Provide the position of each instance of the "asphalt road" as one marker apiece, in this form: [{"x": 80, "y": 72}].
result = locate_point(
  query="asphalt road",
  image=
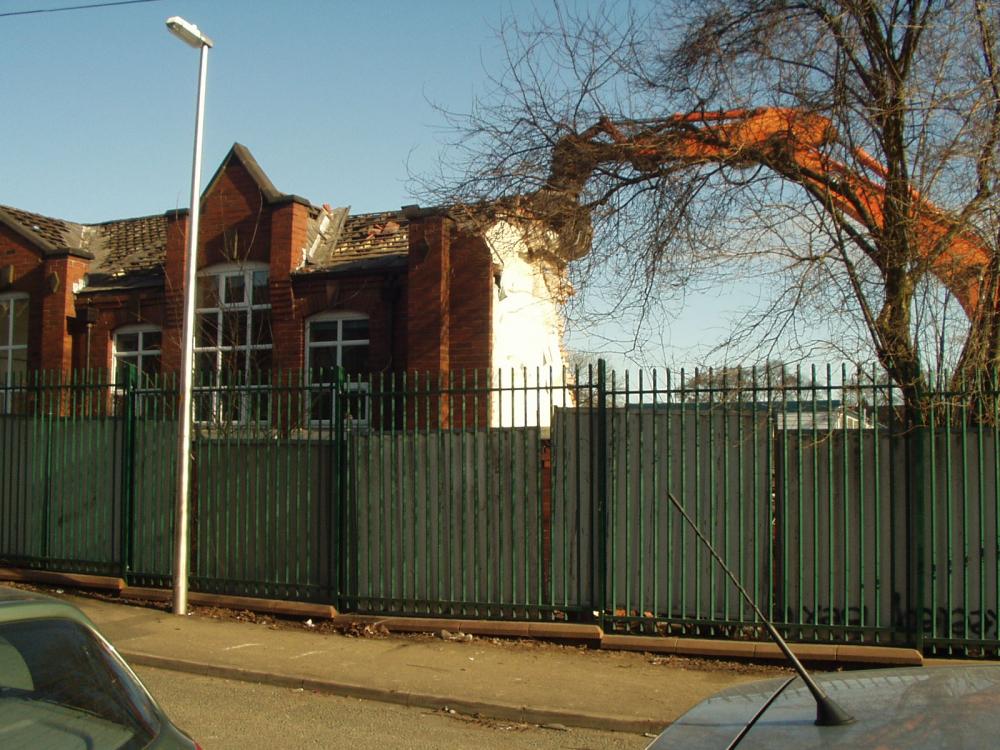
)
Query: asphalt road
[{"x": 225, "y": 714}]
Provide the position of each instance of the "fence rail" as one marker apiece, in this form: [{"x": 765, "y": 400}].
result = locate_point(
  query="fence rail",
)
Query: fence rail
[{"x": 532, "y": 495}]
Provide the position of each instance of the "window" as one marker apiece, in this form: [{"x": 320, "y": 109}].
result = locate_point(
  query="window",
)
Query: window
[
  {"x": 61, "y": 685},
  {"x": 336, "y": 340},
  {"x": 233, "y": 344},
  {"x": 13, "y": 345},
  {"x": 136, "y": 357}
]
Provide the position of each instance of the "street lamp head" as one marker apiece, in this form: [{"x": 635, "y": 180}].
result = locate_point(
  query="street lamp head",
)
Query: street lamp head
[{"x": 187, "y": 32}]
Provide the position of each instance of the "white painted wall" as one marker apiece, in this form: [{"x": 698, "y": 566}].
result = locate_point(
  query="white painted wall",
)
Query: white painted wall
[{"x": 527, "y": 331}]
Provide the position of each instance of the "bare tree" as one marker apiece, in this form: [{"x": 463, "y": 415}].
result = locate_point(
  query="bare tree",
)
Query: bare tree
[
  {"x": 848, "y": 151},
  {"x": 771, "y": 381}
]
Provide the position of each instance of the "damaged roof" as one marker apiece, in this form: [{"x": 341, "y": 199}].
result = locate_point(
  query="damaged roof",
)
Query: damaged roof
[
  {"x": 344, "y": 242},
  {"x": 127, "y": 253},
  {"x": 49, "y": 235},
  {"x": 130, "y": 253}
]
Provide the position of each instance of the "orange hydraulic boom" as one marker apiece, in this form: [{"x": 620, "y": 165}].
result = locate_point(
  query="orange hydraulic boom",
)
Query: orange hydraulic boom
[{"x": 791, "y": 143}]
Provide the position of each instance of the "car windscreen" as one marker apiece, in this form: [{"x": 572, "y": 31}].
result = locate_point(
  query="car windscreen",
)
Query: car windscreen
[{"x": 62, "y": 687}]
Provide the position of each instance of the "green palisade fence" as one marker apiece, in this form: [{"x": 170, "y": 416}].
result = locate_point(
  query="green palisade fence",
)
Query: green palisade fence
[
  {"x": 61, "y": 453},
  {"x": 447, "y": 523},
  {"x": 445, "y": 505},
  {"x": 531, "y": 495},
  {"x": 265, "y": 495}
]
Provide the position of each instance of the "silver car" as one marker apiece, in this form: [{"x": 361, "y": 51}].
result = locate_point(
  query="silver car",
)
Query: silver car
[{"x": 62, "y": 685}]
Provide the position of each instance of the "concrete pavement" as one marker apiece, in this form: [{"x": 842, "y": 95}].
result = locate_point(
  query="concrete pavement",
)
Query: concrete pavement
[{"x": 538, "y": 683}]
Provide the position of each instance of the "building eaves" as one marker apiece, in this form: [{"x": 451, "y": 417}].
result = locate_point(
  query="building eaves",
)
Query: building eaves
[
  {"x": 357, "y": 266},
  {"x": 100, "y": 282}
]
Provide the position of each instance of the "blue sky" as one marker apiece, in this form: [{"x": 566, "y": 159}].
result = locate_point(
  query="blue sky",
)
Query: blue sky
[
  {"x": 334, "y": 99},
  {"x": 331, "y": 97}
]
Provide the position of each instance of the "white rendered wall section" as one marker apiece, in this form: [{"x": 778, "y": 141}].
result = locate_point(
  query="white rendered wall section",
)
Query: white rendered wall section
[{"x": 527, "y": 359}]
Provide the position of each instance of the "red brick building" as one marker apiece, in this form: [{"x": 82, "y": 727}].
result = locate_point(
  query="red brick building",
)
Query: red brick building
[{"x": 282, "y": 285}]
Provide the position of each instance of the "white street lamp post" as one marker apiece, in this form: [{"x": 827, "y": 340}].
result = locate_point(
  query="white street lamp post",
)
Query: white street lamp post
[{"x": 189, "y": 34}]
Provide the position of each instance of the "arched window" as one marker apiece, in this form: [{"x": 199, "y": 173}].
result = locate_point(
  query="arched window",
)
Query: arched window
[
  {"x": 337, "y": 340},
  {"x": 233, "y": 343},
  {"x": 13, "y": 345}
]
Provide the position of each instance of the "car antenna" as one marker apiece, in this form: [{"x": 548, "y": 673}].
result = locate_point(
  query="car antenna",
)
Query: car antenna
[{"x": 828, "y": 712}]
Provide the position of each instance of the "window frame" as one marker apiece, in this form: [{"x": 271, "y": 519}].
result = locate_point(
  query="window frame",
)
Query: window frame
[
  {"x": 217, "y": 411},
  {"x": 8, "y": 347},
  {"x": 147, "y": 392},
  {"x": 141, "y": 329},
  {"x": 339, "y": 344}
]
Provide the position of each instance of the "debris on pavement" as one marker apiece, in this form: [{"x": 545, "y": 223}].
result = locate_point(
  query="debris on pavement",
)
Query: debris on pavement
[
  {"x": 366, "y": 630},
  {"x": 447, "y": 635}
]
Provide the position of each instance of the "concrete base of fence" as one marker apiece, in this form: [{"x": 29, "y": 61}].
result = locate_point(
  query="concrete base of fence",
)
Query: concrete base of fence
[
  {"x": 591, "y": 635},
  {"x": 76, "y": 580},
  {"x": 765, "y": 650},
  {"x": 549, "y": 631},
  {"x": 267, "y": 606}
]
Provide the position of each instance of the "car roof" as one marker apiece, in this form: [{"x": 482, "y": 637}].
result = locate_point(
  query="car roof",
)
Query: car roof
[
  {"x": 21, "y": 604},
  {"x": 914, "y": 707}
]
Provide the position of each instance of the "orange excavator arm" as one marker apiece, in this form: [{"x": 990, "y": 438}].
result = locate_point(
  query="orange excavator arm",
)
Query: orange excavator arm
[{"x": 790, "y": 142}]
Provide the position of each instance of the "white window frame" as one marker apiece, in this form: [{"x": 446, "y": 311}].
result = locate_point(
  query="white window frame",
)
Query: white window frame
[
  {"x": 252, "y": 308},
  {"x": 339, "y": 344},
  {"x": 142, "y": 351},
  {"x": 118, "y": 389},
  {"x": 8, "y": 347}
]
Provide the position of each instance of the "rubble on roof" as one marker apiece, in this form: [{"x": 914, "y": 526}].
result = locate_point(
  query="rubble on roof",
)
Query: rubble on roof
[{"x": 340, "y": 239}]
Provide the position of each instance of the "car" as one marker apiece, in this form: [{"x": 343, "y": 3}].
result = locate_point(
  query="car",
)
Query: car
[
  {"x": 62, "y": 685},
  {"x": 911, "y": 707}
]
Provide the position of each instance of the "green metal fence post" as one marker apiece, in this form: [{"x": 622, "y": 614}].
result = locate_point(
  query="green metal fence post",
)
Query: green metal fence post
[
  {"x": 333, "y": 561},
  {"x": 915, "y": 530},
  {"x": 602, "y": 526},
  {"x": 126, "y": 521},
  {"x": 48, "y": 436},
  {"x": 342, "y": 551}
]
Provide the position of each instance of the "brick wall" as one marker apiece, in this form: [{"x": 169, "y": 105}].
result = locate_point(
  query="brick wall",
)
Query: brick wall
[
  {"x": 375, "y": 296},
  {"x": 289, "y": 223},
  {"x": 58, "y": 308},
  {"x": 235, "y": 220},
  {"x": 93, "y": 348},
  {"x": 428, "y": 323},
  {"x": 29, "y": 278},
  {"x": 470, "y": 304},
  {"x": 428, "y": 299},
  {"x": 174, "y": 271},
  {"x": 471, "y": 308},
  {"x": 449, "y": 310}
]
